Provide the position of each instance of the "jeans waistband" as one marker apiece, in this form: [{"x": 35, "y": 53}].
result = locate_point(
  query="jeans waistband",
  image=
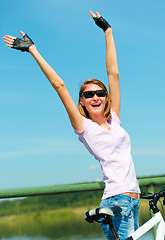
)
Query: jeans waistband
[
  {"x": 124, "y": 197},
  {"x": 132, "y": 194}
]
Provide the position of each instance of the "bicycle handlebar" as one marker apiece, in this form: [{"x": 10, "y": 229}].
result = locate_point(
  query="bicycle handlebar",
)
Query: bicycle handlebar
[{"x": 154, "y": 198}]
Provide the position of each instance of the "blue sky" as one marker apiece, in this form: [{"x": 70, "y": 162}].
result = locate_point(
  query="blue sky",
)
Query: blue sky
[{"x": 38, "y": 146}]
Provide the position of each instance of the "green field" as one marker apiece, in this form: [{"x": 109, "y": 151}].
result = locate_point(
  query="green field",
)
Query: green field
[{"x": 49, "y": 215}]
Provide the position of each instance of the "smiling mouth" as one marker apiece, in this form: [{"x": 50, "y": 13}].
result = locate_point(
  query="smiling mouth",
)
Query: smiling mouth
[{"x": 96, "y": 105}]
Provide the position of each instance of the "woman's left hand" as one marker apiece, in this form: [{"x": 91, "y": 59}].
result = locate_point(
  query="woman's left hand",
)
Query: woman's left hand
[
  {"x": 100, "y": 22},
  {"x": 94, "y": 15}
]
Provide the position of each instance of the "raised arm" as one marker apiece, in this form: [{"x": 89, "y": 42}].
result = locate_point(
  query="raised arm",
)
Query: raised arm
[
  {"x": 112, "y": 71},
  {"x": 57, "y": 83},
  {"x": 111, "y": 63}
]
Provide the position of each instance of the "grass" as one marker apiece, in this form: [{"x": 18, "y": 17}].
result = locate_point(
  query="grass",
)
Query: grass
[{"x": 62, "y": 216}]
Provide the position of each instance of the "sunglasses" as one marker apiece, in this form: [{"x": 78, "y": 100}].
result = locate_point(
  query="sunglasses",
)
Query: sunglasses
[{"x": 90, "y": 94}]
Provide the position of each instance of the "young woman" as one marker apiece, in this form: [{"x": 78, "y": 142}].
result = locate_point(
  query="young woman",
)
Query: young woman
[{"x": 97, "y": 123}]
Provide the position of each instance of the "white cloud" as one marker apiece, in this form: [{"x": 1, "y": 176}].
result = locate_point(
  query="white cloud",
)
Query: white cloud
[
  {"x": 93, "y": 167},
  {"x": 98, "y": 180},
  {"x": 22, "y": 147},
  {"x": 148, "y": 152},
  {"x": 18, "y": 153}
]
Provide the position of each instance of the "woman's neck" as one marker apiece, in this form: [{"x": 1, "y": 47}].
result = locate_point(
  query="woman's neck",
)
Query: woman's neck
[{"x": 102, "y": 121}]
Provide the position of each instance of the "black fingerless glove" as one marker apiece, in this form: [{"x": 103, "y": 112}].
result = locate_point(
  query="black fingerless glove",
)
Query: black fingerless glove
[
  {"x": 102, "y": 23},
  {"x": 22, "y": 44}
]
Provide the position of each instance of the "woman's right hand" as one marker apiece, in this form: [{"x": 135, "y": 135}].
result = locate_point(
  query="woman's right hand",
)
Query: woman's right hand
[{"x": 22, "y": 44}]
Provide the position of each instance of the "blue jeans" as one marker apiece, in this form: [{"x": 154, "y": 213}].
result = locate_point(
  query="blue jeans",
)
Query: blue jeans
[{"x": 125, "y": 222}]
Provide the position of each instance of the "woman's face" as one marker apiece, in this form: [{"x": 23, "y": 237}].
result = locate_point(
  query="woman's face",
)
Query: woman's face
[{"x": 94, "y": 105}]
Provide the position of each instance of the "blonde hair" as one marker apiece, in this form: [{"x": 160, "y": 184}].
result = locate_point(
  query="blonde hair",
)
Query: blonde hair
[{"x": 83, "y": 110}]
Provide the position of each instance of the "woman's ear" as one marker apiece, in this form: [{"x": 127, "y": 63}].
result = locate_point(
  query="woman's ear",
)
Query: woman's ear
[{"x": 81, "y": 102}]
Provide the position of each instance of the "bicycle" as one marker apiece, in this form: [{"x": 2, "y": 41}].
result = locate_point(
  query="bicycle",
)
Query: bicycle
[{"x": 105, "y": 215}]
